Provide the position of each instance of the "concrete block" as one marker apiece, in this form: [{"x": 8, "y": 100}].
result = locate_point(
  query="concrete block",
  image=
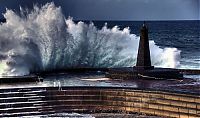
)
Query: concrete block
[
  {"x": 194, "y": 116},
  {"x": 174, "y": 115},
  {"x": 147, "y": 111},
  {"x": 156, "y": 95},
  {"x": 198, "y": 112},
  {"x": 145, "y": 105},
  {"x": 183, "y": 110},
  {"x": 153, "y": 106},
  {"x": 179, "y": 103},
  {"x": 184, "y": 115},
  {"x": 118, "y": 108},
  {"x": 192, "y": 105},
  {"x": 132, "y": 109},
  {"x": 115, "y": 98},
  {"x": 140, "y": 94},
  {"x": 129, "y": 104},
  {"x": 166, "y": 113},
  {"x": 137, "y": 105},
  {"x": 133, "y": 99},
  {"x": 143, "y": 99},
  {"x": 198, "y": 106},
  {"x": 170, "y": 108},
  {"x": 197, "y": 100},
  {"x": 165, "y": 102},
  {"x": 120, "y": 103},
  {"x": 140, "y": 105},
  {"x": 114, "y": 103},
  {"x": 142, "y": 110},
  {"x": 172, "y": 97},
  {"x": 193, "y": 111},
  {"x": 159, "y": 112},
  {"x": 130, "y": 93},
  {"x": 160, "y": 107},
  {"x": 187, "y": 99}
]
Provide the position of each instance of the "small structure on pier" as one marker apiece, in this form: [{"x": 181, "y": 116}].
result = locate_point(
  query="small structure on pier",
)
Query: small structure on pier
[{"x": 143, "y": 68}]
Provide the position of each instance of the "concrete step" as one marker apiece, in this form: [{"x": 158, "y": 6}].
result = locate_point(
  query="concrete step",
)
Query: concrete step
[
  {"x": 20, "y": 99},
  {"x": 23, "y": 102},
  {"x": 31, "y": 114},
  {"x": 19, "y": 94}
]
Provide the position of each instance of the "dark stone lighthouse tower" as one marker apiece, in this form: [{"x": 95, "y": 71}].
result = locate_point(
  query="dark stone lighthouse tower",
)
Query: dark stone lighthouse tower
[{"x": 143, "y": 57}]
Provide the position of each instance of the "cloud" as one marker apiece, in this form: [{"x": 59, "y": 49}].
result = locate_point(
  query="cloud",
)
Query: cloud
[{"x": 119, "y": 9}]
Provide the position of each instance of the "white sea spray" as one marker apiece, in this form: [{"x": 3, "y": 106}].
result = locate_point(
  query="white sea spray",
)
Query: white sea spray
[{"x": 44, "y": 39}]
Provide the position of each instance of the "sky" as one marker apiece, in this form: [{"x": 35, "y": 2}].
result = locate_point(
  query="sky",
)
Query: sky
[{"x": 130, "y": 10}]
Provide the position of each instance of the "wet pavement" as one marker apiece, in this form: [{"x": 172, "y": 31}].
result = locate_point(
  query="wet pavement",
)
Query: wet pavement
[{"x": 191, "y": 84}]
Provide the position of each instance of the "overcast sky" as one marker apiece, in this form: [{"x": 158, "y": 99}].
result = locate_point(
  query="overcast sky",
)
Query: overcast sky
[{"x": 118, "y": 9}]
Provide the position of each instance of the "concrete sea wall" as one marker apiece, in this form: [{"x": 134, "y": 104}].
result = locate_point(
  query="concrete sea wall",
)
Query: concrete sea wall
[
  {"x": 78, "y": 70},
  {"x": 46, "y": 100}
]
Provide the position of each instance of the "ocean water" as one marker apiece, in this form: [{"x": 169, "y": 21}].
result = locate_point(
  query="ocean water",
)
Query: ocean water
[{"x": 44, "y": 39}]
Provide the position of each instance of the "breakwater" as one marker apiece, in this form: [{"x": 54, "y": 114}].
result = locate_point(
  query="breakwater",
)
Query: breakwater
[
  {"x": 189, "y": 71},
  {"x": 78, "y": 70},
  {"x": 47, "y": 100}
]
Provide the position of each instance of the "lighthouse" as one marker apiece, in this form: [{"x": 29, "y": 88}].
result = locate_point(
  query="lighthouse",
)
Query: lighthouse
[{"x": 143, "y": 56}]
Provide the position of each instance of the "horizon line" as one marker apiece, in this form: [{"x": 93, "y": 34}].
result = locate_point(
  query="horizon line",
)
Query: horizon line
[{"x": 3, "y": 19}]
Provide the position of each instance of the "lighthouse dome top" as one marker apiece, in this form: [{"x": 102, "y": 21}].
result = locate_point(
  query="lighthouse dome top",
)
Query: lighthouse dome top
[{"x": 144, "y": 25}]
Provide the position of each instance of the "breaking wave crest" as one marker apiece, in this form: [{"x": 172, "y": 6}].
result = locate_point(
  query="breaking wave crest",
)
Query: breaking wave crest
[{"x": 43, "y": 40}]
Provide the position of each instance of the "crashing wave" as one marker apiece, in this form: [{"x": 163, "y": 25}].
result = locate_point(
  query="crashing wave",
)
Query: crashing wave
[{"x": 43, "y": 40}]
